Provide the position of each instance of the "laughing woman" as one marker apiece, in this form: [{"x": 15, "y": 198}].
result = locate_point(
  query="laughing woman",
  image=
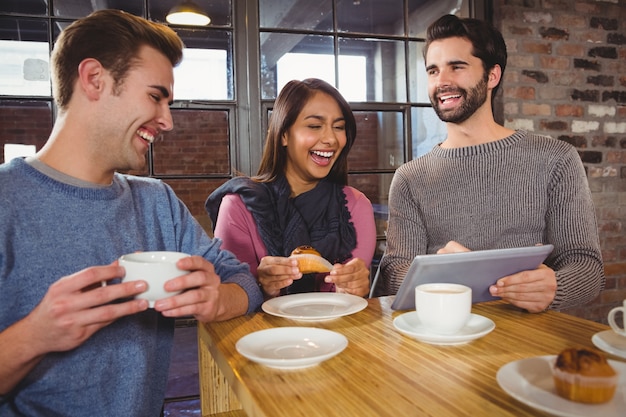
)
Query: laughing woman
[{"x": 300, "y": 197}]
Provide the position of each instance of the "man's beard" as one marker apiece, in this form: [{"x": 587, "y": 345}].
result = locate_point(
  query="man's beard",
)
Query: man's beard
[{"x": 472, "y": 100}]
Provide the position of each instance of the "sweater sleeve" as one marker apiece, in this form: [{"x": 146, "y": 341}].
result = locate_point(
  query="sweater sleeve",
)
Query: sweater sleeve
[
  {"x": 362, "y": 214},
  {"x": 406, "y": 232},
  {"x": 238, "y": 231},
  {"x": 572, "y": 227}
]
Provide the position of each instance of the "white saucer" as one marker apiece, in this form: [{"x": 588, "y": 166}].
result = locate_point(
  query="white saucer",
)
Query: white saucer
[
  {"x": 410, "y": 325},
  {"x": 314, "y": 306},
  {"x": 291, "y": 347},
  {"x": 530, "y": 381},
  {"x": 610, "y": 342}
]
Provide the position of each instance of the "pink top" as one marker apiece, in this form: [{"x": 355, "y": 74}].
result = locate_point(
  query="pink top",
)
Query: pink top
[{"x": 238, "y": 231}]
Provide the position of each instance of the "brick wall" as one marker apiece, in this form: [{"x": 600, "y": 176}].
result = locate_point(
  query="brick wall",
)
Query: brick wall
[
  {"x": 566, "y": 77},
  {"x": 193, "y": 192},
  {"x": 198, "y": 144},
  {"x": 28, "y": 123}
]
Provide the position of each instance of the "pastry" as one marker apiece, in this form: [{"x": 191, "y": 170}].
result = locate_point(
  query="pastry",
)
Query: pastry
[
  {"x": 310, "y": 260},
  {"x": 584, "y": 375}
]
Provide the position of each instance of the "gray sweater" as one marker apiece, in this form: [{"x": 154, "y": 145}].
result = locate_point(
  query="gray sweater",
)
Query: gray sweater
[{"x": 519, "y": 191}]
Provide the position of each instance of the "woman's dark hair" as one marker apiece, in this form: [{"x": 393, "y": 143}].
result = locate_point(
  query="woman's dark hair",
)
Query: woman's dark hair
[
  {"x": 487, "y": 42},
  {"x": 288, "y": 105}
]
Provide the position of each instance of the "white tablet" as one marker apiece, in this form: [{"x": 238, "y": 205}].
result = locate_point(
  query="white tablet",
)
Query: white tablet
[{"x": 476, "y": 269}]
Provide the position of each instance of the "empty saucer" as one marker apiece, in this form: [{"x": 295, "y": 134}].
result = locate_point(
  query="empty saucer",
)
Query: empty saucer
[
  {"x": 410, "y": 325},
  {"x": 610, "y": 342},
  {"x": 291, "y": 347}
]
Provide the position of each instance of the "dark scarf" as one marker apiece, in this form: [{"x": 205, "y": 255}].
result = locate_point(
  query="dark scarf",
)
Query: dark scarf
[{"x": 318, "y": 218}]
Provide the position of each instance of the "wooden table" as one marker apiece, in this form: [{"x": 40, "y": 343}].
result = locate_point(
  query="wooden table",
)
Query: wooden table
[{"x": 382, "y": 372}]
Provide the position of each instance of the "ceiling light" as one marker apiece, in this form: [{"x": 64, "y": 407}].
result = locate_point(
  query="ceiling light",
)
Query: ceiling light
[{"x": 188, "y": 13}]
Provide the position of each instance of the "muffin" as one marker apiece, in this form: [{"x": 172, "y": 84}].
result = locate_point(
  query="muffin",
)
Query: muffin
[
  {"x": 584, "y": 375},
  {"x": 310, "y": 260}
]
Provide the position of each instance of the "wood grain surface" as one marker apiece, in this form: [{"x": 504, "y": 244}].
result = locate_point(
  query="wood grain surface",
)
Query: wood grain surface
[{"x": 383, "y": 372}]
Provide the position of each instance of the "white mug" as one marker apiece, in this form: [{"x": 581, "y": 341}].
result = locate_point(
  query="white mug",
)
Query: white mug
[
  {"x": 443, "y": 308},
  {"x": 155, "y": 268},
  {"x": 616, "y": 328}
]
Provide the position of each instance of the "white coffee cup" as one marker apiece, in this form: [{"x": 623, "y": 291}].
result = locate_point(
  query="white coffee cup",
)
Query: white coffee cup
[
  {"x": 155, "y": 268},
  {"x": 617, "y": 328},
  {"x": 443, "y": 308}
]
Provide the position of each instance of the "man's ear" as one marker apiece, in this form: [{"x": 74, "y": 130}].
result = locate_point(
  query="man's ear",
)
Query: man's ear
[
  {"x": 91, "y": 78},
  {"x": 495, "y": 74}
]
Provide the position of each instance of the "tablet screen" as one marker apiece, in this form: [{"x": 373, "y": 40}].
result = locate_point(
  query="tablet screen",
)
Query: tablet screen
[{"x": 476, "y": 269}]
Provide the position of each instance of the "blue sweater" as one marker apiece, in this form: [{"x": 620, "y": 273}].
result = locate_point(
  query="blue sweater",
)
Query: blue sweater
[{"x": 49, "y": 229}]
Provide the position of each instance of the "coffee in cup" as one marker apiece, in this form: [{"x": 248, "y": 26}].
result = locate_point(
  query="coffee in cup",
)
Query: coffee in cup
[
  {"x": 155, "y": 268},
  {"x": 621, "y": 330},
  {"x": 443, "y": 308}
]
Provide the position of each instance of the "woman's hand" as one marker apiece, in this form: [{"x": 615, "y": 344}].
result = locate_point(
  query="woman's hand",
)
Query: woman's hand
[
  {"x": 351, "y": 278},
  {"x": 276, "y": 272}
]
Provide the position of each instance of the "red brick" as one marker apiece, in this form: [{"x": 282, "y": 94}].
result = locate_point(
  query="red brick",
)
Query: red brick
[
  {"x": 567, "y": 110},
  {"x": 551, "y": 62},
  {"x": 569, "y": 49},
  {"x": 534, "y": 109},
  {"x": 523, "y": 93},
  {"x": 537, "y": 48}
]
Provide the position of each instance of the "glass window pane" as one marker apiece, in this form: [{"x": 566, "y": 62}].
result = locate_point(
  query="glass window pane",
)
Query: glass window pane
[
  {"x": 296, "y": 14},
  {"x": 198, "y": 144},
  {"x": 379, "y": 142},
  {"x": 385, "y": 67},
  {"x": 352, "y": 75},
  {"x": 219, "y": 11},
  {"x": 34, "y": 7},
  {"x": 275, "y": 46},
  {"x": 24, "y": 68},
  {"x": 57, "y": 28},
  {"x": 73, "y": 8},
  {"x": 24, "y": 123},
  {"x": 379, "y": 17},
  {"x": 18, "y": 29},
  {"x": 418, "y": 82},
  {"x": 375, "y": 187},
  {"x": 206, "y": 72},
  {"x": 297, "y": 66},
  {"x": 427, "y": 130},
  {"x": 423, "y": 13}
]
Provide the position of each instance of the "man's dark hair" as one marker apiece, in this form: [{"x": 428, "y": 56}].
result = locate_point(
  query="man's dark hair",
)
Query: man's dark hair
[{"x": 487, "y": 42}]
